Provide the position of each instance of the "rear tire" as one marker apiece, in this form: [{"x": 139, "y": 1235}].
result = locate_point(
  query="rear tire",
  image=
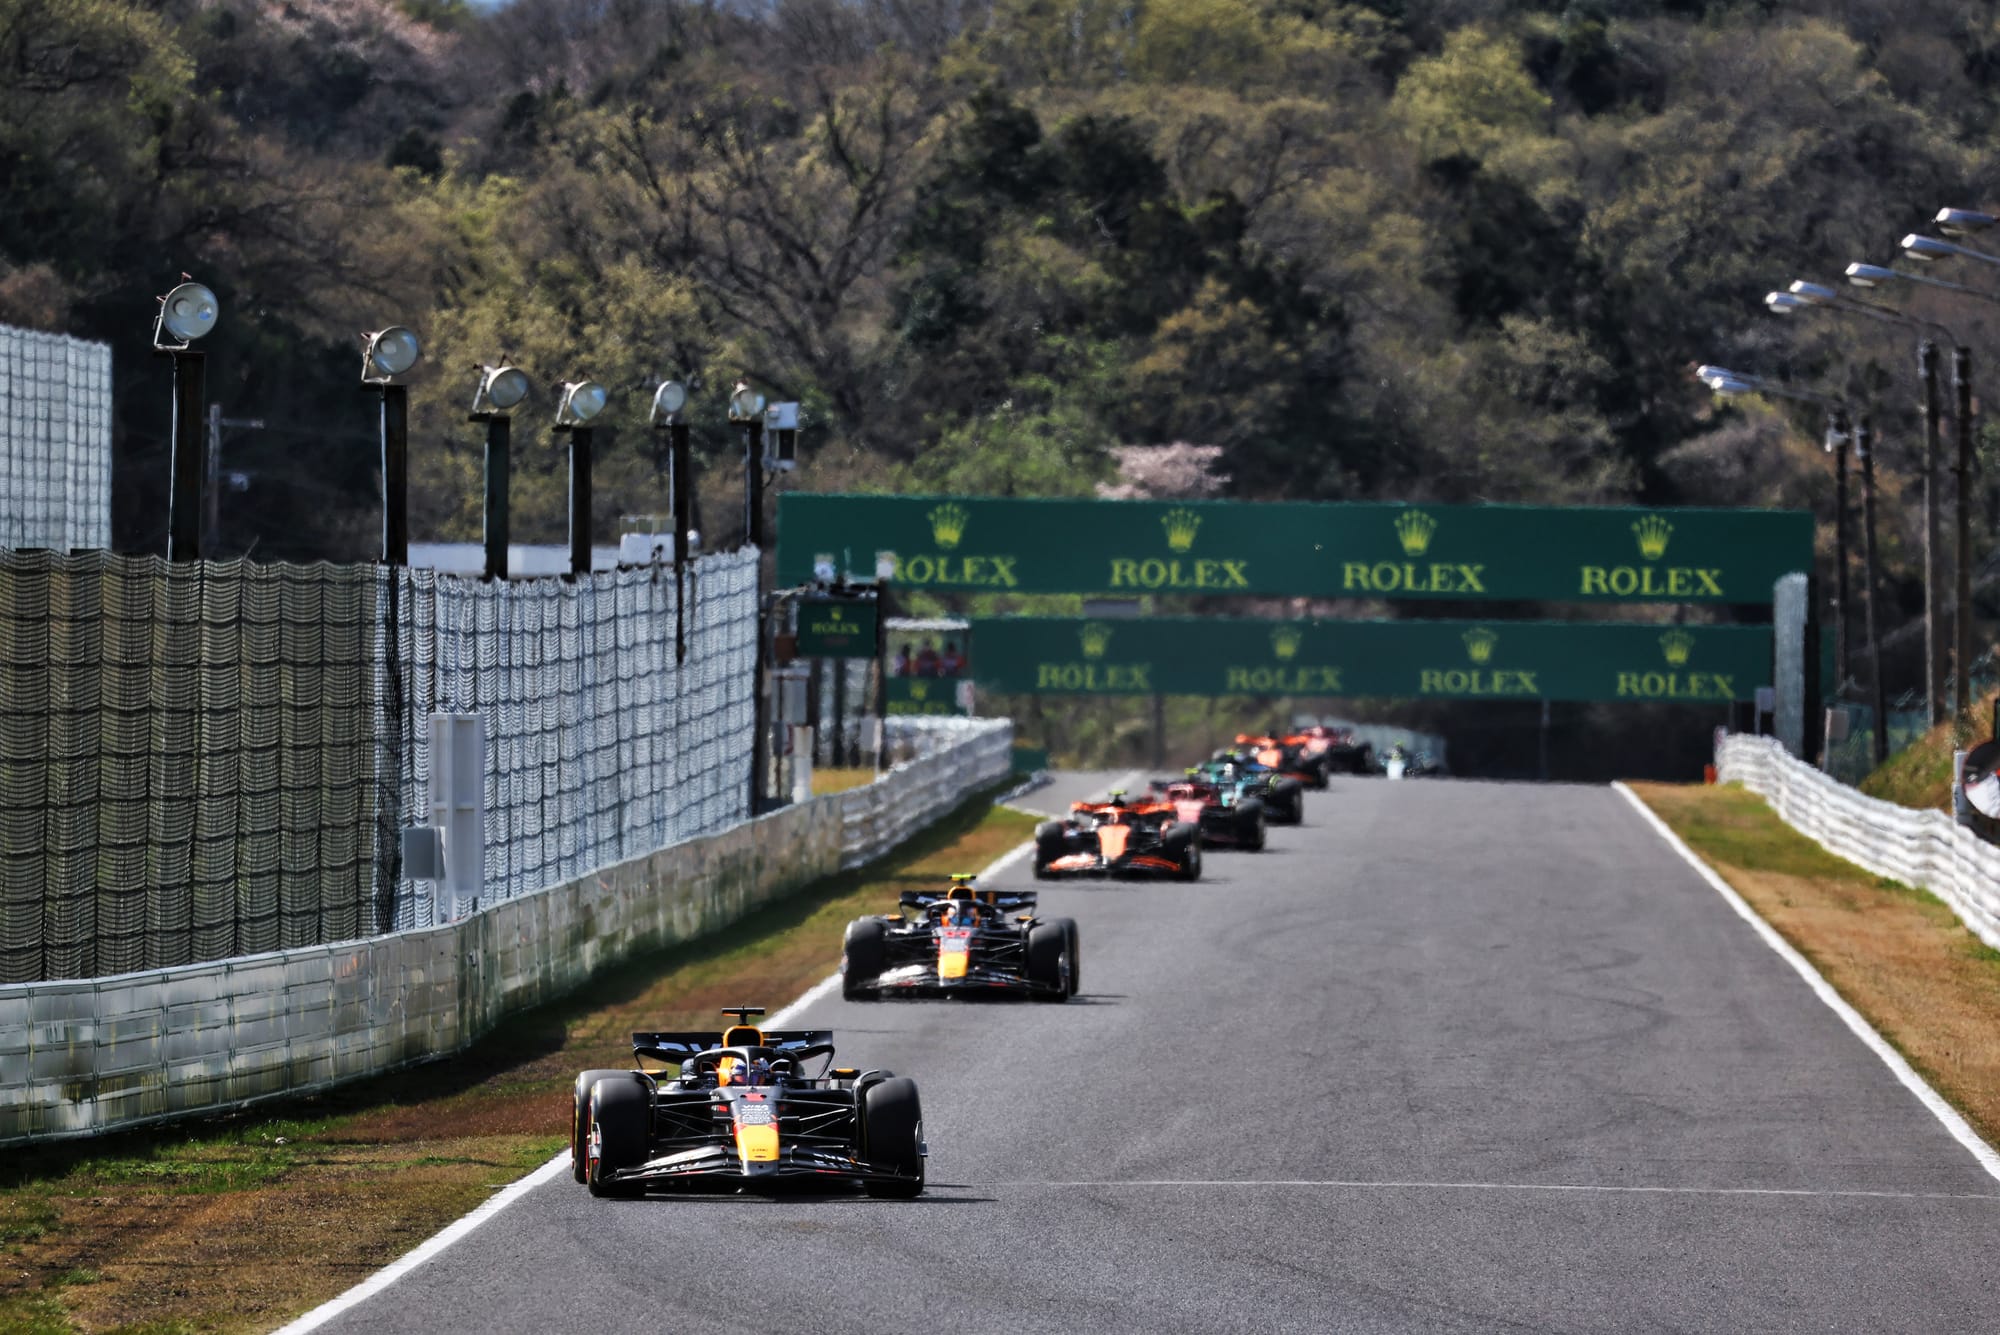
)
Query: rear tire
[
  {"x": 863, "y": 958},
  {"x": 579, "y": 1121},
  {"x": 1050, "y": 838},
  {"x": 892, "y": 1133},
  {"x": 1073, "y": 948},
  {"x": 1250, "y": 833},
  {"x": 1183, "y": 845},
  {"x": 1048, "y": 945},
  {"x": 620, "y": 1112}
]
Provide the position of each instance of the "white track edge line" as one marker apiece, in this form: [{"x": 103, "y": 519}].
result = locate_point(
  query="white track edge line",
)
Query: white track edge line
[
  {"x": 1578, "y": 1187},
  {"x": 1953, "y": 1122},
  {"x": 514, "y": 1191}
]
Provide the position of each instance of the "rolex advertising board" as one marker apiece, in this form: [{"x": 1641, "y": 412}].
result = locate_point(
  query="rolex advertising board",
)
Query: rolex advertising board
[
  {"x": 925, "y": 696},
  {"x": 1299, "y": 549},
  {"x": 836, "y": 628},
  {"x": 1454, "y": 660}
]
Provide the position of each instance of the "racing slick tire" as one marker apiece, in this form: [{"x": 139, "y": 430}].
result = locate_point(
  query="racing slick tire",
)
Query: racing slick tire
[
  {"x": 864, "y": 955},
  {"x": 1050, "y": 837},
  {"x": 1251, "y": 826},
  {"x": 620, "y": 1109},
  {"x": 1048, "y": 945},
  {"x": 1286, "y": 803},
  {"x": 1073, "y": 944},
  {"x": 1183, "y": 845},
  {"x": 892, "y": 1135},
  {"x": 579, "y": 1121}
]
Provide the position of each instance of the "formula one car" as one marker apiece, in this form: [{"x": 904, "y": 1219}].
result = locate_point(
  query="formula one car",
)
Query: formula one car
[
  {"x": 1239, "y": 770},
  {"x": 742, "y": 1114},
  {"x": 1341, "y": 753},
  {"x": 961, "y": 942},
  {"x": 1118, "y": 838},
  {"x": 1223, "y": 817},
  {"x": 1287, "y": 757}
]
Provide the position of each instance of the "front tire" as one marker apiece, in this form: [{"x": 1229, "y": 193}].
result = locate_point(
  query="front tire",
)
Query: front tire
[
  {"x": 863, "y": 958},
  {"x": 1048, "y": 945},
  {"x": 620, "y": 1114},
  {"x": 579, "y": 1121},
  {"x": 1183, "y": 844},
  {"x": 892, "y": 1135}
]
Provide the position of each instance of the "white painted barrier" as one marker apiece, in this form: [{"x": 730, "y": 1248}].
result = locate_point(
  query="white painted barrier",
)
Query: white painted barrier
[
  {"x": 87, "y": 1056},
  {"x": 1919, "y": 848}
]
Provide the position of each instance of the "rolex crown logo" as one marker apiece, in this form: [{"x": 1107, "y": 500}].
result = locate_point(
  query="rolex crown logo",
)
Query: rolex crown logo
[
  {"x": 1414, "y": 529},
  {"x": 918, "y": 690},
  {"x": 948, "y": 523},
  {"x": 1096, "y": 637},
  {"x": 1677, "y": 645},
  {"x": 1285, "y": 642},
  {"x": 1479, "y": 643},
  {"x": 1181, "y": 526},
  {"x": 1652, "y": 532}
]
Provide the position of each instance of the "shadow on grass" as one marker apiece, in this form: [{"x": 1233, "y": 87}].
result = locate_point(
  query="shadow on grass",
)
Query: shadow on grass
[{"x": 516, "y": 1042}]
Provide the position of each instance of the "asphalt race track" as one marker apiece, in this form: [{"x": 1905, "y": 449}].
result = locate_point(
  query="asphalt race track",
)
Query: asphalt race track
[{"x": 1452, "y": 1057}]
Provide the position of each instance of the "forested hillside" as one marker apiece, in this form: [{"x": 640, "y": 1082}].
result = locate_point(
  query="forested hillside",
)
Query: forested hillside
[{"x": 1452, "y": 251}]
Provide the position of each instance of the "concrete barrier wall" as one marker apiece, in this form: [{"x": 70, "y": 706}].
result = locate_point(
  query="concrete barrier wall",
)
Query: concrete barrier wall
[{"x": 83, "y": 1057}]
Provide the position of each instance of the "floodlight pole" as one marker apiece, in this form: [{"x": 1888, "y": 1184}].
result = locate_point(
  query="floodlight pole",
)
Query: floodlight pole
[
  {"x": 1961, "y": 382},
  {"x": 499, "y": 443},
  {"x": 680, "y": 494},
  {"x": 184, "y": 485},
  {"x": 1927, "y": 367},
  {"x": 1837, "y": 425},
  {"x": 1864, "y": 439},
  {"x": 579, "y": 499},
  {"x": 395, "y": 475},
  {"x": 753, "y": 535}
]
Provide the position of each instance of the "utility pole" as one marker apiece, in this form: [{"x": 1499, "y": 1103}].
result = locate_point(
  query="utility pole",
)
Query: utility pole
[
  {"x": 1927, "y": 366},
  {"x": 1837, "y": 441},
  {"x": 1961, "y": 383},
  {"x": 216, "y": 421},
  {"x": 1864, "y": 440}
]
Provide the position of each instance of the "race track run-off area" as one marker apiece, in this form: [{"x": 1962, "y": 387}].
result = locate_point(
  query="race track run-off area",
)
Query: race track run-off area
[{"x": 1452, "y": 1057}]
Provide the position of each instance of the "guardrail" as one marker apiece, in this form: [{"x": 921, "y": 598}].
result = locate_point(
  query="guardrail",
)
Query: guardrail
[
  {"x": 1926, "y": 849},
  {"x": 83, "y": 1057}
]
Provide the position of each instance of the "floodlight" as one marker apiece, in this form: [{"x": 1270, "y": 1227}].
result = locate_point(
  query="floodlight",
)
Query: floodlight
[
  {"x": 1870, "y": 275},
  {"x": 501, "y": 388},
  {"x": 1785, "y": 303},
  {"x": 1957, "y": 222},
  {"x": 1816, "y": 294},
  {"x": 1920, "y": 247},
  {"x": 186, "y": 313},
  {"x": 581, "y": 400},
  {"x": 389, "y": 353},
  {"x": 668, "y": 400},
  {"x": 745, "y": 404}
]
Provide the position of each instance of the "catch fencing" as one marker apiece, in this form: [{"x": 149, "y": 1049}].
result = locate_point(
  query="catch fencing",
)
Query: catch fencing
[
  {"x": 1926, "y": 849},
  {"x": 83, "y": 1057},
  {"x": 55, "y": 441},
  {"x": 206, "y": 760}
]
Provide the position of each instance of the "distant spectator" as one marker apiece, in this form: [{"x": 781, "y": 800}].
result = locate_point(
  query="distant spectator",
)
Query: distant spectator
[
  {"x": 928, "y": 660},
  {"x": 900, "y": 664},
  {"x": 951, "y": 664}
]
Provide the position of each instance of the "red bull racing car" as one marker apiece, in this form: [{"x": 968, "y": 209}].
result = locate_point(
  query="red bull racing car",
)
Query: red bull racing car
[
  {"x": 1118, "y": 838},
  {"x": 961, "y": 942},
  {"x": 744, "y": 1114}
]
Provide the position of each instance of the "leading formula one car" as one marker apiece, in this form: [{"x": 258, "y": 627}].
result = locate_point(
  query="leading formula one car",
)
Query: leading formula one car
[
  {"x": 1289, "y": 757},
  {"x": 961, "y": 942},
  {"x": 1342, "y": 753},
  {"x": 744, "y": 1114},
  {"x": 1118, "y": 838}
]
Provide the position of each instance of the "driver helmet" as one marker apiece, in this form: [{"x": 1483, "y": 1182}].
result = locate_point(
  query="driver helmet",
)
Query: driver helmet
[{"x": 758, "y": 1073}]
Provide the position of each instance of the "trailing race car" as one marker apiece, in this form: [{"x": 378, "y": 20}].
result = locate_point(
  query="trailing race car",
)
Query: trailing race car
[
  {"x": 1117, "y": 838},
  {"x": 962, "y": 942},
  {"x": 743, "y": 1114},
  {"x": 1239, "y": 770},
  {"x": 1341, "y": 752},
  {"x": 1222, "y": 815}
]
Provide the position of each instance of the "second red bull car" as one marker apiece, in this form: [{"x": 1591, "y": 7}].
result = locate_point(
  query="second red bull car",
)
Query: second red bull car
[{"x": 961, "y": 942}]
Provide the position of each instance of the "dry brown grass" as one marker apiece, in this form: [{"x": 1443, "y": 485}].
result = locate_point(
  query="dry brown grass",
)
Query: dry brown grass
[
  {"x": 240, "y": 1224},
  {"x": 831, "y": 780},
  {"x": 1899, "y": 956}
]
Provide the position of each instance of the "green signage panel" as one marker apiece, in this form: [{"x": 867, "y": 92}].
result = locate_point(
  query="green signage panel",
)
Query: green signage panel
[
  {"x": 1499, "y": 660},
  {"x": 1298, "y": 549},
  {"x": 924, "y": 695},
  {"x": 837, "y": 628}
]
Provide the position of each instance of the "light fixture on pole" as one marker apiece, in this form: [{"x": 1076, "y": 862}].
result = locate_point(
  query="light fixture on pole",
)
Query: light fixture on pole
[
  {"x": 500, "y": 390},
  {"x": 746, "y": 410},
  {"x": 668, "y": 401},
  {"x": 385, "y": 356},
  {"x": 580, "y": 402},
  {"x": 188, "y": 312}
]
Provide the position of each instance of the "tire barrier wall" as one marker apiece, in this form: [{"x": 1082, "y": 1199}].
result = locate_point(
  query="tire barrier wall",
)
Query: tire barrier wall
[
  {"x": 81, "y": 1058},
  {"x": 1926, "y": 849}
]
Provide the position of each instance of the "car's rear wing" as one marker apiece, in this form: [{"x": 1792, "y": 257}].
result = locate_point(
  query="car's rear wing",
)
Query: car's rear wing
[
  {"x": 1006, "y": 901},
  {"x": 675, "y": 1047}
]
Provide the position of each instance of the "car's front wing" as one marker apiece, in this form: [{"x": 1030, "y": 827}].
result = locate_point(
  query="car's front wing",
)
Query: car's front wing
[
  {"x": 979, "y": 980},
  {"x": 720, "y": 1167}
]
